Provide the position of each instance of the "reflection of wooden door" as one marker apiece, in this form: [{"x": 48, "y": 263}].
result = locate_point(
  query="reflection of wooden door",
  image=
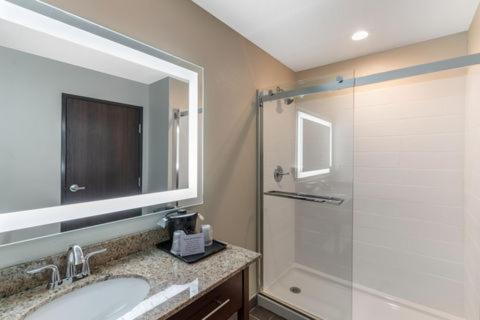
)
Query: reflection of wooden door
[{"x": 101, "y": 149}]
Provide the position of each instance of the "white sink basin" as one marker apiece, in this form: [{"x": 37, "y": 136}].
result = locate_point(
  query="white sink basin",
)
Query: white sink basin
[{"x": 104, "y": 300}]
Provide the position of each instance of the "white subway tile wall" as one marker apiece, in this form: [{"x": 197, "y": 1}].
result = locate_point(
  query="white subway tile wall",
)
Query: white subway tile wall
[
  {"x": 472, "y": 196},
  {"x": 323, "y": 233},
  {"x": 278, "y": 213},
  {"x": 408, "y": 187}
]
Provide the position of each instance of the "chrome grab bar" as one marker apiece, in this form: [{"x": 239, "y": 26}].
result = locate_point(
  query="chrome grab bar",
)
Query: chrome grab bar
[{"x": 306, "y": 197}]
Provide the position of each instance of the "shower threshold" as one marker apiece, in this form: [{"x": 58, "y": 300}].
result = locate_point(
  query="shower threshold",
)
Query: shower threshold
[{"x": 328, "y": 298}]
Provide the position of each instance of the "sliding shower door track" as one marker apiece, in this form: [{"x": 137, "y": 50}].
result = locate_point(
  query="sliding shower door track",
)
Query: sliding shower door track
[
  {"x": 340, "y": 83},
  {"x": 283, "y": 309}
]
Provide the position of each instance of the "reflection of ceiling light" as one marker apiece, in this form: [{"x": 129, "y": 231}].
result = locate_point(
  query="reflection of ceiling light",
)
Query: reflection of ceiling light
[
  {"x": 359, "y": 35},
  {"x": 393, "y": 306}
]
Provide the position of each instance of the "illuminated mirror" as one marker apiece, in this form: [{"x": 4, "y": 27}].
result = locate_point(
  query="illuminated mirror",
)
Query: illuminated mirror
[
  {"x": 97, "y": 127},
  {"x": 314, "y": 145}
]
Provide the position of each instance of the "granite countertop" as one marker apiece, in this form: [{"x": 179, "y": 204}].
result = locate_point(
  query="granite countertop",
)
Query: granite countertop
[{"x": 174, "y": 284}]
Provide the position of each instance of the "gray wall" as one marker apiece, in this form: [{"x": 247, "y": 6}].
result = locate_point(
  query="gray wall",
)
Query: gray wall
[
  {"x": 32, "y": 87},
  {"x": 165, "y": 96},
  {"x": 30, "y": 125},
  {"x": 158, "y": 136},
  {"x": 179, "y": 100}
]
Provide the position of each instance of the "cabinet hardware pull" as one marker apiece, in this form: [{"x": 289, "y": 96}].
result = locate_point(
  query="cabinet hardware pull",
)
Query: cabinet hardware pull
[{"x": 216, "y": 309}]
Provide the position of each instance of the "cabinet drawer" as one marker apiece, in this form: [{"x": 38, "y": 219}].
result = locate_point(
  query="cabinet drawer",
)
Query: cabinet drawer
[{"x": 218, "y": 304}]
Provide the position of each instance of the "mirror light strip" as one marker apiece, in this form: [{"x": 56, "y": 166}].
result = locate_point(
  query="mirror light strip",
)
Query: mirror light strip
[{"x": 301, "y": 117}]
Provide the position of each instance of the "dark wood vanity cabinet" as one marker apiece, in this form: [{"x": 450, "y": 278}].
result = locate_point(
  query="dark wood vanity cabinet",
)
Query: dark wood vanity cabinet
[{"x": 221, "y": 302}]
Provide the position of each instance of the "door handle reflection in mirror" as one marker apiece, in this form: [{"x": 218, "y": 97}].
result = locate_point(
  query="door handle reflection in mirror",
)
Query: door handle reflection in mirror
[{"x": 76, "y": 187}]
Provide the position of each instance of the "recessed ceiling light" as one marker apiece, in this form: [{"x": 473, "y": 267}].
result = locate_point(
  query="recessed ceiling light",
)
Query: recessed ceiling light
[{"x": 359, "y": 35}]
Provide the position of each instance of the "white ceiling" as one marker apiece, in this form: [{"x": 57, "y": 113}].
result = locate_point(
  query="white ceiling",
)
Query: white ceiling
[{"x": 308, "y": 33}]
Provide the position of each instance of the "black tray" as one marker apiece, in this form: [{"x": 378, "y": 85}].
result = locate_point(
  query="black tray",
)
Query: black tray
[{"x": 216, "y": 246}]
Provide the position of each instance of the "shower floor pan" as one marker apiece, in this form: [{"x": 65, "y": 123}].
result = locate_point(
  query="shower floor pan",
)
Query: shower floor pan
[{"x": 328, "y": 298}]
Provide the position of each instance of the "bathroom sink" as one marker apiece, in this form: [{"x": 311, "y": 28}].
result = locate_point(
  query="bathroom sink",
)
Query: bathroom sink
[{"x": 104, "y": 300}]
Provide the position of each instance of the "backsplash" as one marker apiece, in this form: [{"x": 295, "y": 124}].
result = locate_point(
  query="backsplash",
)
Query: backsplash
[{"x": 14, "y": 279}]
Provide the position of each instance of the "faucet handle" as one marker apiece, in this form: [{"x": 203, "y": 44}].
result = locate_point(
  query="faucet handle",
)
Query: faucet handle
[
  {"x": 86, "y": 264},
  {"x": 55, "y": 278}
]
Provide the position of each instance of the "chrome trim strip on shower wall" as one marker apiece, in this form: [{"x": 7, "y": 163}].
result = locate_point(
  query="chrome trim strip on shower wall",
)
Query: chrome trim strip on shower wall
[
  {"x": 306, "y": 197},
  {"x": 454, "y": 63},
  {"x": 420, "y": 69}
]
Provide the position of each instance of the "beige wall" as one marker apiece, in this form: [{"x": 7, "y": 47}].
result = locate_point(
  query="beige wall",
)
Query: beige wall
[
  {"x": 423, "y": 52},
  {"x": 472, "y": 179},
  {"x": 234, "y": 69},
  {"x": 474, "y": 34}
]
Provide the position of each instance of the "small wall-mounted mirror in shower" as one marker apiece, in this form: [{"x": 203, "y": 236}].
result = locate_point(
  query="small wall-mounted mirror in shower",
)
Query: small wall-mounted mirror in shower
[{"x": 314, "y": 145}]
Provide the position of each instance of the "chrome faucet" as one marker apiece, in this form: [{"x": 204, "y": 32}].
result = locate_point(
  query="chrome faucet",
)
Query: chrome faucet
[
  {"x": 55, "y": 278},
  {"x": 75, "y": 258}
]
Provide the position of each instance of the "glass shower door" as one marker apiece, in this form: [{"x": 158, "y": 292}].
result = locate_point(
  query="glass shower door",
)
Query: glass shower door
[{"x": 306, "y": 211}]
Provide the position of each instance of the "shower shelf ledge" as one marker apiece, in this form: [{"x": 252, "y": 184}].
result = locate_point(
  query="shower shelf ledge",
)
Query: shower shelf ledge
[{"x": 305, "y": 197}]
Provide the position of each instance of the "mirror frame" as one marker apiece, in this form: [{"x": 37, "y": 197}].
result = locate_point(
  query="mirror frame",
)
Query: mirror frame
[
  {"x": 301, "y": 117},
  {"x": 48, "y": 19}
]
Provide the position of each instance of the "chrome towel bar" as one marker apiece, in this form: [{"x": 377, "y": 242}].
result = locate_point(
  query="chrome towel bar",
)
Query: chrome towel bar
[{"x": 305, "y": 197}]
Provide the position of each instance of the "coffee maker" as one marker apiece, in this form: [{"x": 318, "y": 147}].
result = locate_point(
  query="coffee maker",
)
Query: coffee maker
[{"x": 180, "y": 220}]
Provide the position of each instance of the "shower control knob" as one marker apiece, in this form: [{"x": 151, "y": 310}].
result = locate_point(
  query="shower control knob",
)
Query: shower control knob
[{"x": 278, "y": 174}]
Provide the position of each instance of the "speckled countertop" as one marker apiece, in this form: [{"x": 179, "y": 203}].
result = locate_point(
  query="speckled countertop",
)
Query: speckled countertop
[{"x": 174, "y": 284}]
